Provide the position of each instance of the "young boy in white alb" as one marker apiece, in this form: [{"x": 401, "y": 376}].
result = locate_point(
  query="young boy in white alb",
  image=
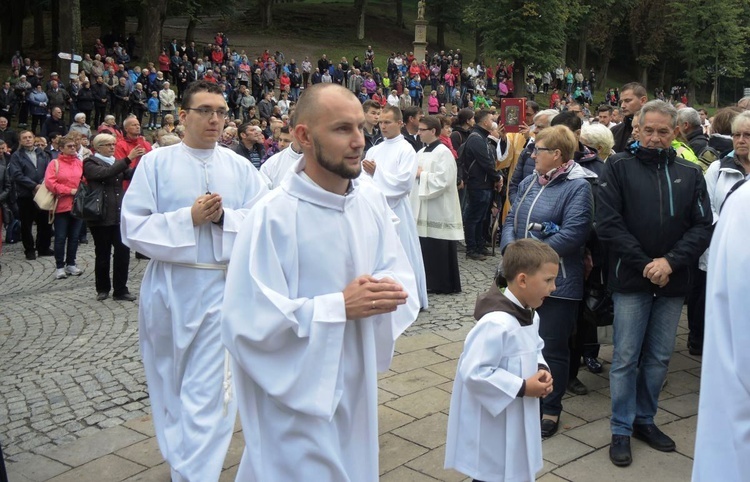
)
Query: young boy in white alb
[{"x": 493, "y": 428}]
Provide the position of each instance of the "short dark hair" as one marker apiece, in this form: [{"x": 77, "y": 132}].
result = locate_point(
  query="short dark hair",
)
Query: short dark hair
[
  {"x": 433, "y": 123},
  {"x": 242, "y": 129},
  {"x": 637, "y": 88},
  {"x": 371, "y": 104},
  {"x": 534, "y": 106},
  {"x": 464, "y": 116},
  {"x": 526, "y": 256},
  {"x": 397, "y": 116},
  {"x": 481, "y": 115},
  {"x": 568, "y": 119},
  {"x": 604, "y": 108},
  {"x": 199, "y": 86},
  {"x": 410, "y": 112},
  {"x": 284, "y": 129}
]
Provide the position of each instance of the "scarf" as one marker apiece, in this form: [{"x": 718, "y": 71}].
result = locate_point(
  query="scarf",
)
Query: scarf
[
  {"x": 109, "y": 160},
  {"x": 545, "y": 179}
]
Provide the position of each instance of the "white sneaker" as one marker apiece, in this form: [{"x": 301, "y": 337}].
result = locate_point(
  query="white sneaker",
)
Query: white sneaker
[
  {"x": 60, "y": 273},
  {"x": 73, "y": 270}
]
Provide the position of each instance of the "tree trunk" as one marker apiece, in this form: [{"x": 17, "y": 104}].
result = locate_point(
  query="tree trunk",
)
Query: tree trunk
[
  {"x": 154, "y": 12},
  {"x": 441, "y": 35},
  {"x": 478, "y": 45},
  {"x": 38, "y": 13},
  {"x": 11, "y": 28},
  {"x": 606, "y": 57},
  {"x": 691, "y": 93},
  {"x": 400, "y": 13},
  {"x": 663, "y": 75},
  {"x": 55, "y": 15},
  {"x": 582, "y": 49},
  {"x": 190, "y": 32},
  {"x": 69, "y": 18},
  {"x": 360, "y": 9},
  {"x": 265, "y": 13},
  {"x": 644, "y": 77},
  {"x": 564, "y": 53}
]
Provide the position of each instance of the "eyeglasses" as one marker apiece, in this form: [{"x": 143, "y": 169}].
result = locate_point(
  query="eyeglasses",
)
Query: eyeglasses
[
  {"x": 740, "y": 135},
  {"x": 69, "y": 145},
  {"x": 208, "y": 113},
  {"x": 537, "y": 149}
]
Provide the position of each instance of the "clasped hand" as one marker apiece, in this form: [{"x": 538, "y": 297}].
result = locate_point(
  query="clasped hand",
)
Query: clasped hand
[
  {"x": 207, "y": 208},
  {"x": 658, "y": 272},
  {"x": 539, "y": 384},
  {"x": 367, "y": 296},
  {"x": 369, "y": 166}
]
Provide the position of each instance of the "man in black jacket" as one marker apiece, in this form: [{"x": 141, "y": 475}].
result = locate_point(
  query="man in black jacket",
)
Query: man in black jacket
[
  {"x": 410, "y": 130},
  {"x": 481, "y": 178},
  {"x": 689, "y": 123},
  {"x": 26, "y": 169},
  {"x": 654, "y": 217},
  {"x": 632, "y": 97}
]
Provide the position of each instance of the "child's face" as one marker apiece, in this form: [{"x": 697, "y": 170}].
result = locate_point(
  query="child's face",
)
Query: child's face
[{"x": 538, "y": 286}]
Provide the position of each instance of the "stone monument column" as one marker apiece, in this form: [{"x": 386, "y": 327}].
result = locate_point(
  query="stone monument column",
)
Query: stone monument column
[{"x": 420, "y": 33}]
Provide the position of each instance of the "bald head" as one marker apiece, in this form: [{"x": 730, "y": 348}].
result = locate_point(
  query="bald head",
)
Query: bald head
[{"x": 310, "y": 102}]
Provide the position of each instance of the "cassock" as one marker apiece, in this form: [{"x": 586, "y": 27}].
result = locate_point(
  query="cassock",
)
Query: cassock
[
  {"x": 722, "y": 445},
  {"x": 306, "y": 377},
  {"x": 494, "y": 435},
  {"x": 279, "y": 165},
  {"x": 181, "y": 296},
  {"x": 395, "y": 173}
]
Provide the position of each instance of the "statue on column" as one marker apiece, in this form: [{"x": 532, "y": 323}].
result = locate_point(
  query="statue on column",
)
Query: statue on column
[{"x": 420, "y": 10}]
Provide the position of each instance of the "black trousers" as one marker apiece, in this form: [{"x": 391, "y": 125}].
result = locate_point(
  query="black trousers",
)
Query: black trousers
[
  {"x": 106, "y": 238},
  {"x": 696, "y": 308},
  {"x": 583, "y": 343},
  {"x": 100, "y": 111},
  {"x": 29, "y": 213}
]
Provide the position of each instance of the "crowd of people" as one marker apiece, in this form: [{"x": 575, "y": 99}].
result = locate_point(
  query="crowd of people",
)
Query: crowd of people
[{"x": 228, "y": 129}]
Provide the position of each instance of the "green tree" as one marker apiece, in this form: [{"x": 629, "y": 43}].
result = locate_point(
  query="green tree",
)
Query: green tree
[
  {"x": 444, "y": 15},
  {"x": 606, "y": 19},
  {"x": 530, "y": 32},
  {"x": 713, "y": 39},
  {"x": 650, "y": 24}
]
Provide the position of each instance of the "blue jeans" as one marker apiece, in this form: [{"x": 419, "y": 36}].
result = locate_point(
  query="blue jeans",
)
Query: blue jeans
[
  {"x": 645, "y": 328},
  {"x": 66, "y": 229},
  {"x": 477, "y": 206}
]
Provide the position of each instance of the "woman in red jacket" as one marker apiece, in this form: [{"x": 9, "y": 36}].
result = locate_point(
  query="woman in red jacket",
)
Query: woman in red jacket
[
  {"x": 62, "y": 179},
  {"x": 164, "y": 64}
]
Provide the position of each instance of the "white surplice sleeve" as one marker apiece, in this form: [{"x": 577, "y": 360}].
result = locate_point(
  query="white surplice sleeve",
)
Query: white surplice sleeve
[
  {"x": 441, "y": 175},
  {"x": 224, "y": 235},
  {"x": 395, "y": 178},
  {"x": 494, "y": 387},
  {"x": 167, "y": 236}
]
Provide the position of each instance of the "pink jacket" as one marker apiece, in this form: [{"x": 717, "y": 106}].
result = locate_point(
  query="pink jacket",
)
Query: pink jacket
[
  {"x": 61, "y": 182},
  {"x": 433, "y": 105}
]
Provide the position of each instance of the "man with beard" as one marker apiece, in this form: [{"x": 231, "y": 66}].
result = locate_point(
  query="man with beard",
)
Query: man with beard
[{"x": 317, "y": 292}]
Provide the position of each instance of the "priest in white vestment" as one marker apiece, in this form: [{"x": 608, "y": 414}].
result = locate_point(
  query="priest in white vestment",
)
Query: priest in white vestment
[
  {"x": 318, "y": 290},
  {"x": 183, "y": 210},
  {"x": 392, "y": 166},
  {"x": 722, "y": 445}
]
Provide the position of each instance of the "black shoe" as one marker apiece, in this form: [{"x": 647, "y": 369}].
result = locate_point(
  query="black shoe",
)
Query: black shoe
[
  {"x": 46, "y": 252},
  {"x": 83, "y": 241},
  {"x": 549, "y": 427},
  {"x": 124, "y": 297},
  {"x": 619, "y": 451},
  {"x": 102, "y": 296},
  {"x": 476, "y": 256},
  {"x": 30, "y": 255},
  {"x": 654, "y": 437},
  {"x": 485, "y": 252},
  {"x": 140, "y": 256},
  {"x": 694, "y": 349},
  {"x": 577, "y": 387},
  {"x": 592, "y": 364}
]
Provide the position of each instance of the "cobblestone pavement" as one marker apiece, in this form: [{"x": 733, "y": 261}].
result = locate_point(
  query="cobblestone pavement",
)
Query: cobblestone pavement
[{"x": 71, "y": 365}]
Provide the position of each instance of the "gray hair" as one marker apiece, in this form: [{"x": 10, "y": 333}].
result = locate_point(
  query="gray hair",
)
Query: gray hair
[
  {"x": 659, "y": 107},
  {"x": 689, "y": 115},
  {"x": 102, "y": 139},
  {"x": 599, "y": 137},
  {"x": 169, "y": 140},
  {"x": 79, "y": 116},
  {"x": 741, "y": 119},
  {"x": 548, "y": 113},
  {"x": 108, "y": 118},
  {"x": 744, "y": 103}
]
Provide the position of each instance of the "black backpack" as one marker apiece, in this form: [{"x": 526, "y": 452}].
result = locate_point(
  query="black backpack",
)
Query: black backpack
[{"x": 463, "y": 165}]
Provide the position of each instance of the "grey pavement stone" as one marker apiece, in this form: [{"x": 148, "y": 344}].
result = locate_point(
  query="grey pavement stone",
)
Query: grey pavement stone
[
  {"x": 86, "y": 449},
  {"x": 38, "y": 468}
]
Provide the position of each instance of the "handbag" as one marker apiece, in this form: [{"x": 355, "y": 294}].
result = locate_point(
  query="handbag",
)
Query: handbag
[
  {"x": 88, "y": 203},
  {"x": 598, "y": 307},
  {"x": 43, "y": 197}
]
